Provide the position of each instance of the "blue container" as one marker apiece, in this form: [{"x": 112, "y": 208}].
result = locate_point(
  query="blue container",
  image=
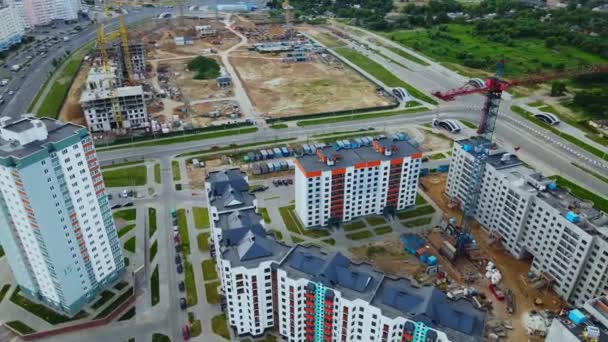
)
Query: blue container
[
  {"x": 443, "y": 168},
  {"x": 467, "y": 148},
  {"x": 422, "y": 258},
  {"x": 431, "y": 260},
  {"x": 572, "y": 217},
  {"x": 277, "y": 152},
  {"x": 552, "y": 186},
  {"x": 576, "y": 316},
  {"x": 285, "y": 151},
  {"x": 270, "y": 153}
]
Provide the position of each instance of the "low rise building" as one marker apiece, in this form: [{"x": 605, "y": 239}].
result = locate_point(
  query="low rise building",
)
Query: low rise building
[
  {"x": 587, "y": 324},
  {"x": 12, "y": 29},
  {"x": 100, "y": 112},
  {"x": 350, "y": 179},
  {"x": 56, "y": 225},
  {"x": 564, "y": 236},
  {"x": 306, "y": 294}
]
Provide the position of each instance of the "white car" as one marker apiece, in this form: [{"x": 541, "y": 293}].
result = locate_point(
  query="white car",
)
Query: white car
[
  {"x": 175, "y": 228},
  {"x": 124, "y": 194}
]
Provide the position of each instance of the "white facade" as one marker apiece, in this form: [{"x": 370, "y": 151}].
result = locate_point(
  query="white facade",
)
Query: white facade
[
  {"x": 342, "y": 185},
  {"x": 530, "y": 215},
  {"x": 57, "y": 228},
  {"x": 96, "y": 101},
  {"x": 12, "y": 27},
  {"x": 43, "y": 12}
]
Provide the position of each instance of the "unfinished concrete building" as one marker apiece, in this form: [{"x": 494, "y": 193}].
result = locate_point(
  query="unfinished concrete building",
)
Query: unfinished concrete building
[
  {"x": 138, "y": 59},
  {"x": 98, "y": 106}
]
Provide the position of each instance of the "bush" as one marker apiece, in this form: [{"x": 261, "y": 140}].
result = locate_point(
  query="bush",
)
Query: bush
[{"x": 206, "y": 68}]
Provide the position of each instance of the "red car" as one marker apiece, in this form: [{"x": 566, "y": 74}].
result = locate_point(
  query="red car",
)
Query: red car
[
  {"x": 186, "y": 332},
  {"x": 497, "y": 292}
]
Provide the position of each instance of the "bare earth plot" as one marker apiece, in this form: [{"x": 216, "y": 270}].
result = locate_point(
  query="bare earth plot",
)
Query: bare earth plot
[
  {"x": 280, "y": 89},
  {"x": 194, "y": 89},
  {"x": 71, "y": 110}
]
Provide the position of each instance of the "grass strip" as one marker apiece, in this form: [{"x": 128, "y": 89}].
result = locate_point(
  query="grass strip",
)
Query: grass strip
[
  {"x": 364, "y": 234},
  {"x": 278, "y": 126},
  {"x": 105, "y": 296},
  {"x": 151, "y": 221},
  {"x": 233, "y": 147},
  {"x": 153, "y": 250},
  {"x": 116, "y": 303},
  {"x": 407, "y": 55},
  {"x": 201, "y": 217},
  {"x": 419, "y": 211},
  {"x": 381, "y": 74},
  {"x": 177, "y": 176},
  {"x": 352, "y": 117},
  {"x": 157, "y": 176},
  {"x": 122, "y": 164},
  {"x": 211, "y": 292},
  {"x": 264, "y": 213},
  {"x": 209, "y": 270},
  {"x": 21, "y": 327},
  {"x": 420, "y": 200},
  {"x": 291, "y": 224},
  {"x": 202, "y": 240},
  {"x": 126, "y": 229},
  {"x": 127, "y": 214},
  {"x": 330, "y": 241},
  {"x": 154, "y": 287},
  {"x": 277, "y": 234},
  {"x": 599, "y": 202},
  {"x": 383, "y": 230},
  {"x": 132, "y": 176},
  {"x": 182, "y": 225},
  {"x": 41, "y": 310},
  {"x": 130, "y": 245},
  {"x": 529, "y": 116},
  {"x": 160, "y": 338},
  {"x": 184, "y": 138},
  {"x": 191, "y": 295},
  {"x": 4, "y": 290},
  {"x": 354, "y": 225},
  {"x": 375, "y": 220},
  {"x": 219, "y": 326},
  {"x": 128, "y": 315},
  {"x": 423, "y": 221}
]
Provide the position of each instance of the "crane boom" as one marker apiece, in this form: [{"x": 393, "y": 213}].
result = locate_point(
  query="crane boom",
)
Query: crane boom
[{"x": 126, "y": 53}]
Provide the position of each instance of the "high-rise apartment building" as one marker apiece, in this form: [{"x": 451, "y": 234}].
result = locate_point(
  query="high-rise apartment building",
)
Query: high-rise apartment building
[
  {"x": 566, "y": 238},
  {"x": 11, "y": 27},
  {"x": 43, "y": 12},
  {"x": 356, "y": 178},
  {"x": 307, "y": 294},
  {"x": 56, "y": 225}
]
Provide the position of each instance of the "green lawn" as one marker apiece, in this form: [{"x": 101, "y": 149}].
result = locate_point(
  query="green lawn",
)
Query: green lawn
[
  {"x": 459, "y": 44},
  {"x": 126, "y": 229},
  {"x": 383, "y": 230},
  {"x": 420, "y": 211},
  {"x": 196, "y": 328},
  {"x": 234, "y": 147},
  {"x": 364, "y": 234},
  {"x": 278, "y": 126},
  {"x": 157, "y": 175},
  {"x": 160, "y": 338},
  {"x": 182, "y": 224},
  {"x": 528, "y": 116},
  {"x": 220, "y": 326},
  {"x": 436, "y": 156},
  {"x": 177, "y": 176},
  {"x": 211, "y": 292},
  {"x": 154, "y": 287},
  {"x": 191, "y": 295},
  {"x": 420, "y": 200},
  {"x": 202, "y": 240},
  {"x": 277, "y": 234},
  {"x": 292, "y": 224},
  {"x": 153, "y": 250},
  {"x": 4, "y": 290},
  {"x": 469, "y": 124},
  {"x": 375, "y": 220},
  {"x": 105, "y": 297},
  {"x": 21, "y": 327},
  {"x": 127, "y": 214},
  {"x": 599, "y": 202},
  {"x": 111, "y": 166},
  {"x": 121, "y": 285},
  {"x": 353, "y": 117},
  {"x": 185, "y": 138},
  {"x": 422, "y": 221},
  {"x": 130, "y": 245},
  {"x": 380, "y": 73},
  {"x": 330, "y": 241},
  {"x": 264, "y": 213},
  {"x": 209, "y": 271},
  {"x": 327, "y": 40},
  {"x": 296, "y": 239},
  {"x": 40, "y": 310},
  {"x": 130, "y": 176},
  {"x": 151, "y": 221},
  {"x": 201, "y": 217},
  {"x": 127, "y": 315},
  {"x": 354, "y": 225},
  {"x": 116, "y": 303}
]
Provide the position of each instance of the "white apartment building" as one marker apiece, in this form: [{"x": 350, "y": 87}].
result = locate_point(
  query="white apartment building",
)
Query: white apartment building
[
  {"x": 96, "y": 102},
  {"x": 338, "y": 184},
  {"x": 566, "y": 238},
  {"x": 43, "y": 12},
  {"x": 55, "y": 221},
  {"x": 11, "y": 27},
  {"x": 307, "y": 294}
]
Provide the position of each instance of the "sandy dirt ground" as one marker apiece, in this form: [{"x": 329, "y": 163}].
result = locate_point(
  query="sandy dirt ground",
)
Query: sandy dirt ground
[
  {"x": 388, "y": 256},
  {"x": 71, "y": 110},
  {"x": 434, "y": 141},
  {"x": 511, "y": 268},
  {"x": 196, "y": 177},
  {"x": 194, "y": 89},
  {"x": 278, "y": 89}
]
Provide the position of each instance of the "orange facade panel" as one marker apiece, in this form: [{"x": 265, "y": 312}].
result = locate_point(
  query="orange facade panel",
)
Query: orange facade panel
[
  {"x": 360, "y": 165},
  {"x": 416, "y": 155},
  {"x": 338, "y": 171},
  {"x": 312, "y": 174},
  {"x": 373, "y": 163},
  {"x": 397, "y": 161}
]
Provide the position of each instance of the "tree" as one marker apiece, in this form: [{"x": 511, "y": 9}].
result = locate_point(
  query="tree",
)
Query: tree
[{"x": 558, "y": 88}]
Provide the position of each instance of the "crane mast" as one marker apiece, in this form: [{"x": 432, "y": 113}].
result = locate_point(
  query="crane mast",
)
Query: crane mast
[{"x": 101, "y": 45}]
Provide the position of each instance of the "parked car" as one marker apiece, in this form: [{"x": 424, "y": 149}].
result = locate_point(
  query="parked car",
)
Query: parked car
[
  {"x": 178, "y": 259},
  {"x": 128, "y": 204},
  {"x": 290, "y": 181},
  {"x": 497, "y": 292},
  {"x": 109, "y": 196},
  {"x": 116, "y": 206},
  {"x": 180, "y": 269},
  {"x": 178, "y": 248},
  {"x": 181, "y": 286},
  {"x": 275, "y": 182},
  {"x": 175, "y": 228},
  {"x": 182, "y": 303},
  {"x": 186, "y": 332}
]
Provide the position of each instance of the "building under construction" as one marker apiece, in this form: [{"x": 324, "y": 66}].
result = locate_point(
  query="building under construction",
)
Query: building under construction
[
  {"x": 137, "y": 52},
  {"x": 107, "y": 105}
]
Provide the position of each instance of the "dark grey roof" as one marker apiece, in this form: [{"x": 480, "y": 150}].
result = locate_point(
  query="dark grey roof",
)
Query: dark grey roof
[
  {"x": 229, "y": 190},
  {"x": 349, "y": 157},
  {"x": 231, "y": 237},
  {"x": 238, "y": 218},
  {"x": 57, "y": 132},
  {"x": 459, "y": 319},
  {"x": 252, "y": 247}
]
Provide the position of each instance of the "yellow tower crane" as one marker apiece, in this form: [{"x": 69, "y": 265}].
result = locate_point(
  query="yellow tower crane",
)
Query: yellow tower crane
[
  {"x": 101, "y": 45},
  {"x": 126, "y": 53}
]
